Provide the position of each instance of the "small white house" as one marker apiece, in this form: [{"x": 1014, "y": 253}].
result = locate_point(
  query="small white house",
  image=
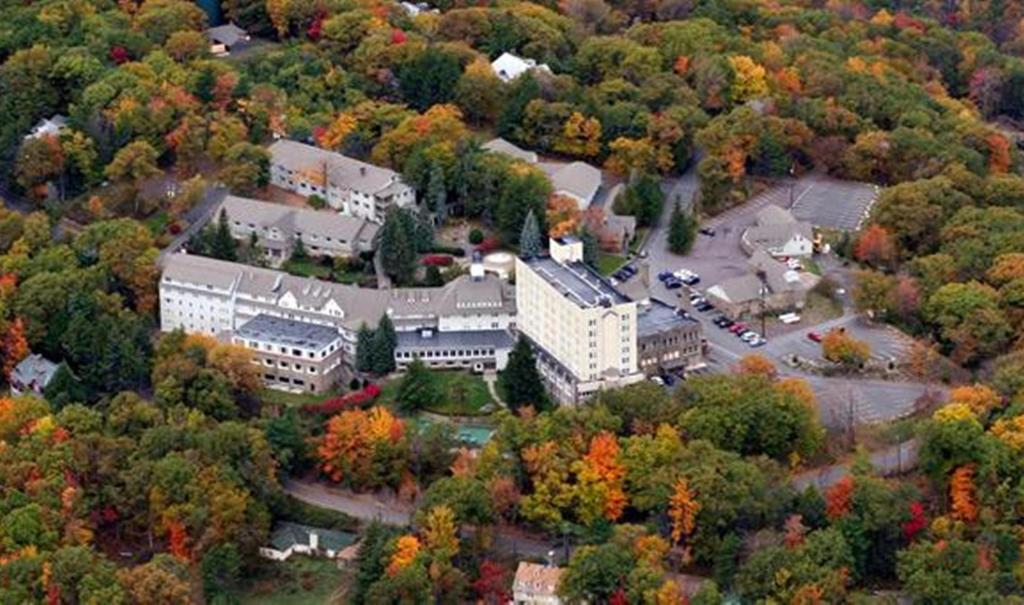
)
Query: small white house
[
  {"x": 51, "y": 126},
  {"x": 779, "y": 233},
  {"x": 32, "y": 375},
  {"x": 292, "y": 538},
  {"x": 536, "y": 584},
  {"x": 508, "y": 67}
]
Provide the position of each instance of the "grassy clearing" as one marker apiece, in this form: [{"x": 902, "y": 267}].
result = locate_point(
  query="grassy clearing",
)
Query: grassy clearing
[
  {"x": 298, "y": 581},
  {"x": 608, "y": 263},
  {"x": 307, "y": 268},
  {"x": 463, "y": 394},
  {"x": 293, "y": 400}
]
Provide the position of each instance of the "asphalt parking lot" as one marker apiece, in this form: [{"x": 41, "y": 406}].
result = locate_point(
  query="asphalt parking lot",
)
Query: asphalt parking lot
[{"x": 832, "y": 203}]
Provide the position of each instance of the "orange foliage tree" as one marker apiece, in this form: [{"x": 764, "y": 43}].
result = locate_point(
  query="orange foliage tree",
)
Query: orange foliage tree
[
  {"x": 757, "y": 365},
  {"x": 839, "y": 498},
  {"x": 563, "y": 214},
  {"x": 961, "y": 494},
  {"x": 601, "y": 477},
  {"x": 980, "y": 398},
  {"x": 876, "y": 246},
  {"x": 406, "y": 549},
  {"x": 998, "y": 153},
  {"x": 15, "y": 346},
  {"x": 350, "y": 444},
  {"x": 682, "y": 510}
]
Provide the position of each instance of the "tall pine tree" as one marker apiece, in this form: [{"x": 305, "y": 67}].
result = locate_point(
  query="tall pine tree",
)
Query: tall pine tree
[
  {"x": 364, "y": 349},
  {"x": 397, "y": 248},
  {"x": 437, "y": 192},
  {"x": 529, "y": 240},
  {"x": 222, "y": 244},
  {"x": 521, "y": 380},
  {"x": 681, "y": 231},
  {"x": 418, "y": 388},
  {"x": 384, "y": 342}
]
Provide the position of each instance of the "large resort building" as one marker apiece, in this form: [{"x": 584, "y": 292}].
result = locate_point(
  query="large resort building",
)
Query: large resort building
[
  {"x": 351, "y": 187},
  {"x": 443, "y": 325}
]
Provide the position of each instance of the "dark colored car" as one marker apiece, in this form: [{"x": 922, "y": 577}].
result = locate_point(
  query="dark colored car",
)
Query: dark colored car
[
  {"x": 705, "y": 307},
  {"x": 814, "y": 336},
  {"x": 673, "y": 284},
  {"x": 664, "y": 275},
  {"x": 708, "y": 231}
]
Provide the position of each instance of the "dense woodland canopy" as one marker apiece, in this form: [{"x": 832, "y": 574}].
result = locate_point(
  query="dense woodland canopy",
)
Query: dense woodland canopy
[{"x": 163, "y": 447}]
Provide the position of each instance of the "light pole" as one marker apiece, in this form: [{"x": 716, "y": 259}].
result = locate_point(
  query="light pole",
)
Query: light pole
[{"x": 763, "y": 277}]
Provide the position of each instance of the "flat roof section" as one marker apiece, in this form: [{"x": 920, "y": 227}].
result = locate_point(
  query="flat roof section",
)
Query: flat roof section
[
  {"x": 659, "y": 317},
  {"x": 289, "y": 332},
  {"x": 577, "y": 282}
]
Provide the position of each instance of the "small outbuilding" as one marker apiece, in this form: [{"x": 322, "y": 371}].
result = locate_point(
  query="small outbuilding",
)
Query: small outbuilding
[{"x": 293, "y": 538}]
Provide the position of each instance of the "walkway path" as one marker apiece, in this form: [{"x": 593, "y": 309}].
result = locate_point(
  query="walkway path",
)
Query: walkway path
[
  {"x": 197, "y": 217},
  {"x": 894, "y": 460}
]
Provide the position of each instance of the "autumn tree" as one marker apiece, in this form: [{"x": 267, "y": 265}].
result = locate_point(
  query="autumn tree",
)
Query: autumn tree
[
  {"x": 876, "y": 247},
  {"x": 840, "y": 347},
  {"x": 963, "y": 503},
  {"x": 839, "y": 498},
  {"x": 363, "y": 449},
  {"x": 581, "y": 136},
  {"x": 15, "y": 346},
  {"x": 600, "y": 476},
  {"x": 682, "y": 510}
]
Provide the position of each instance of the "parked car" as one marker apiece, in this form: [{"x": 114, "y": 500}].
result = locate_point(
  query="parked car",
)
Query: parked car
[
  {"x": 673, "y": 284},
  {"x": 708, "y": 231},
  {"x": 668, "y": 379},
  {"x": 695, "y": 296},
  {"x": 815, "y": 336},
  {"x": 657, "y": 380},
  {"x": 736, "y": 328},
  {"x": 693, "y": 280},
  {"x": 760, "y": 342},
  {"x": 664, "y": 275},
  {"x": 750, "y": 337},
  {"x": 794, "y": 264}
]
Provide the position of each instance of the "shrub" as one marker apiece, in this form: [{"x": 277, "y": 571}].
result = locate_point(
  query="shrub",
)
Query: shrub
[
  {"x": 476, "y": 236},
  {"x": 351, "y": 400},
  {"x": 317, "y": 202},
  {"x": 490, "y": 244},
  {"x": 437, "y": 260}
]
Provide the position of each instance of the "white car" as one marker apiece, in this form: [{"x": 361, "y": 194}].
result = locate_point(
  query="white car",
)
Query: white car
[
  {"x": 750, "y": 337},
  {"x": 683, "y": 274},
  {"x": 794, "y": 264}
]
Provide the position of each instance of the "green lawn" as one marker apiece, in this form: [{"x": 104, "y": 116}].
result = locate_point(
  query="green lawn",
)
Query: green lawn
[
  {"x": 463, "y": 394},
  {"x": 307, "y": 268},
  {"x": 290, "y": 400},
  {"x": 157, "y": 223},
  {"x": 298, "y": 581},
  {"x": 638, "y": 239},
  {"x": 608, "y": 263},
  {"x": 810, "y": 265}
]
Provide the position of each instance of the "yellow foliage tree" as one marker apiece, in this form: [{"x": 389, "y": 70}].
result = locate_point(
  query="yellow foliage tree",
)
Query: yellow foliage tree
[
  {"x": 581, "y": 136},
  {"x": 955, "y": 412},
  {"x": 440, "y": 534},
  {"x": 1010, "y": 431},
  {"x": 750, "y": 82},
  {"x": 335, "y": 134},
  {"x": 641, "y": 155}
]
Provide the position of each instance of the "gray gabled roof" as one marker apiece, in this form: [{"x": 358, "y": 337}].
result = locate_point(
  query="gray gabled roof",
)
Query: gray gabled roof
[
  {"x": 774, "y": 215},
  {"x": 34, "y": 369},
  {"x": 228, "y": 34},
  {"x": 342, "y": 171},
  {"x": 288, "y": 332},
  {"x": 291, "y": 220},
  {"x": 462, "y": 296},
  {"x": 576, "y": 178},
  {"x": 504, "y": 147},
  {"x": 287, "y": 535}
]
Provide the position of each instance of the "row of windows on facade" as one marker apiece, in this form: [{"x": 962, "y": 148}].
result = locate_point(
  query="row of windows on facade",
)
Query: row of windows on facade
[
  {"x": 276, "y": 234},
  {"x": 444, "y": 353},
  {"x": 252, "y": 344}
]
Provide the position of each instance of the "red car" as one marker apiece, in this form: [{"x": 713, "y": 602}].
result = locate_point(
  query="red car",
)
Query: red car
[
  {"x": 737, "y": 328},
  {"x": 814, "y": 336}
]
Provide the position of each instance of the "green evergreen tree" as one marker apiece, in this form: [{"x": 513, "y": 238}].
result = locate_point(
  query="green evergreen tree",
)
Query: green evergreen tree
[
  {"x": 437, "y": 193},
  {"x": 384, "y": 342},
  {"x": 222, "y": 244},
  {"x": 521, "y": 380},
  {"x": 299, "y": 250},
  {"x": 64, "y": 389},
  {"x": 525, "y": 89},
  {"x": 397, "y": 250},
  {"x": 364, "y": 349},
  {"x": 529, "y": 240},
  {"x": 418, "y": 388},
  {"x": 422, "y": 229},
  {"x": 681, "y": 231},
  {"x": 433, "y": 278}
]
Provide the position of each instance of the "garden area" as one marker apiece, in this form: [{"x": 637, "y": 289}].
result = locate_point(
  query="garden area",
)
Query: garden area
[
  {"x": 298, "y": 581},
  {"x": 448, "y": 392}
]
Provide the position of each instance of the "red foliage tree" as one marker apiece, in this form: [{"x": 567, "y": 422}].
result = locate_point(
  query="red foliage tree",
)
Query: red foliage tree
[
  {"x": 398, "y": 37},
  {"x": 917, "y": 521},
  {"x": 492, "y": 583},
  {"x": 876, "y": 246},
  {"x": 119, "y": 55},
  {"x": 177, "y": 540},
  {"x": 839, "y": 498}
]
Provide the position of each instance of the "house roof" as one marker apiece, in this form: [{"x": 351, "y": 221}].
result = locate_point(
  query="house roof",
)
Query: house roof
[
  {"x": 291, "y": 220},
  {"x": 48, "y": 126},
  {"x": 228, "y": 34},
  {"x": 288, "y": 332},
  {"x": 777, "y": 276},
  {"x": 412, "y": 340},
  {"x": 578, "y": 179},
  {"x": 34, "y": 369},
  {"x": 504, "y": 147},
  {"x": 657, "y": 317},
  {"x": 537, "y": 580},
  {"x": 778, "y": 234},
  {"x": 287, "y": 535},
  {"x": 508, "y": 67},
  {"x": 462, "y": 296},
  {"x": 340, "y": 170}
]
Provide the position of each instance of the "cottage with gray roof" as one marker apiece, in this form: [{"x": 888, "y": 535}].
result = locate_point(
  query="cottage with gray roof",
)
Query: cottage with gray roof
[
  {"x": 350, "y": 186},
  {"x": 293, "y": 538},
  {"x": 226, "y": 38},
  {"x": 577, "y": 180},
  {"x": 779, "y": 233},
  {"x": 277, "y": 227},
  {"x": 770, "y": 280},
  {"x": 32, "y": 375}
]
